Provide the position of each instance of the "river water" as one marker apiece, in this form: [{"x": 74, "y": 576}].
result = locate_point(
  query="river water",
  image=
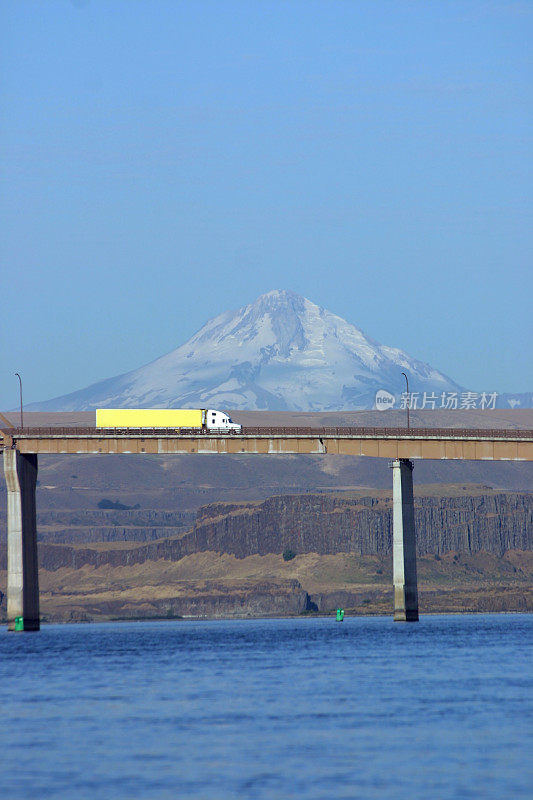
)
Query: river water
[{"x": 293, "y": 708}]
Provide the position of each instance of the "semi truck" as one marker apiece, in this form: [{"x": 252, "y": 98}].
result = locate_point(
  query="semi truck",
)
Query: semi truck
[{"x": 193, "y": 418}]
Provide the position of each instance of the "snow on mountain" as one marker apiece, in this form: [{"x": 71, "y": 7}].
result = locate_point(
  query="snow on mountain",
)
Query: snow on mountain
[{"x": 280, "y": 353}]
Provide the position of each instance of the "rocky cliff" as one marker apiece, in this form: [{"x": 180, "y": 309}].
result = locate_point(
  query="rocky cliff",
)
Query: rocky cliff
[
  {"x": 323, "y": 524},
  {"x": 91, "y": 525},
  {"x": 351, "y": 522}
]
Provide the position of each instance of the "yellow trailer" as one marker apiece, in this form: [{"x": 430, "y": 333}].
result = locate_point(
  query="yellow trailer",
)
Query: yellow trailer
[{"x": 150, "y": 417}]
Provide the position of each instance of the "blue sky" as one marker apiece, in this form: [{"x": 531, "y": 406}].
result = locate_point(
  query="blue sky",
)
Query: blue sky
[{"x": 165, "y": 161}]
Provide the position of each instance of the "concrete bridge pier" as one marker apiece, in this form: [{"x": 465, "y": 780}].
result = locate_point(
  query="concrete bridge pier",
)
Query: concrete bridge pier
[
  {"x": 404, "y": 542},
  {"x": 22, "y": 569}
]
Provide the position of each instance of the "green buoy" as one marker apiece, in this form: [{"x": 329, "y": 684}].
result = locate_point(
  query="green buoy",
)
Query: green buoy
[
  {"x": 19, "y": 623},
  {"x": 340, "y": 614}
]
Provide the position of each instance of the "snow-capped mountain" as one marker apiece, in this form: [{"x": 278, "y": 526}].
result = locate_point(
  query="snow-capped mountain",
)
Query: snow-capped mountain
[{"x": 280, "y": 353}]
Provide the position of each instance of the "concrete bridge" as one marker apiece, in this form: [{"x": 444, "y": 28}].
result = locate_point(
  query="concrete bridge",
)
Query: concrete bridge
[{"x": 22, "y": 446}]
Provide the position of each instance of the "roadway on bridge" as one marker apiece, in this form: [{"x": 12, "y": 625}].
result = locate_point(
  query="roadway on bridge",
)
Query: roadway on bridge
[{"x": 414, "y": 443}]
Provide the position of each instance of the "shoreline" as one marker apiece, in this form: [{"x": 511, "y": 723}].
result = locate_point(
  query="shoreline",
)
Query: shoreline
[{"x": 244, "y": 617}]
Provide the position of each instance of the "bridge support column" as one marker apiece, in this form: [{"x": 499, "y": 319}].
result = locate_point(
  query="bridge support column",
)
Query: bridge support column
[
  {"x": 404, "y": 542},
  {"x": 22, "y": 569}
]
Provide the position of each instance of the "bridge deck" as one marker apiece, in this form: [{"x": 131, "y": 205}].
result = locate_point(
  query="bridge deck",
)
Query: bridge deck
[{"x": 433, "y": 443}]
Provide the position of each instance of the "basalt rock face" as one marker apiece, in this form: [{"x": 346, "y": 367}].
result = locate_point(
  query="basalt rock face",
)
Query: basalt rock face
[
  {"x": 87, "y": 525},
  {"x": 315, "y": 523},
  {"x": 324, "y": 524},
  {"x": 331, "y": 524},
  {"x": 210, "y": 599},
  {"x": 90, "y": 525}
]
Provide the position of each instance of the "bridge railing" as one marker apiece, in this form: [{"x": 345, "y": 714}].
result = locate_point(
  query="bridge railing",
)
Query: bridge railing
[{"x": 356, "y": 432}]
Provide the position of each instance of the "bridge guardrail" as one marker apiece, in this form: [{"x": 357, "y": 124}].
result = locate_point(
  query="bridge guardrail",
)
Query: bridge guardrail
[{"x": 355, "y": 432}]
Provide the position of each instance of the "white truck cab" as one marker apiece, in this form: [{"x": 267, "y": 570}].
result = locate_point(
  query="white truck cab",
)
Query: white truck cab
[{"x": 220, "y": 421}]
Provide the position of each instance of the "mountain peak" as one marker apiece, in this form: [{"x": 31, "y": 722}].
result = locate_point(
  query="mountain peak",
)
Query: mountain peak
[
  {"x": 279, "y": 300},
  {"x": 279, "y": 294}
]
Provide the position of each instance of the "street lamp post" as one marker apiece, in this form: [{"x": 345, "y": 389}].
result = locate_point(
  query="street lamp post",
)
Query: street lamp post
[
  {"x": 21, "y": 412},
  {"x": 408, "y": 403}
]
